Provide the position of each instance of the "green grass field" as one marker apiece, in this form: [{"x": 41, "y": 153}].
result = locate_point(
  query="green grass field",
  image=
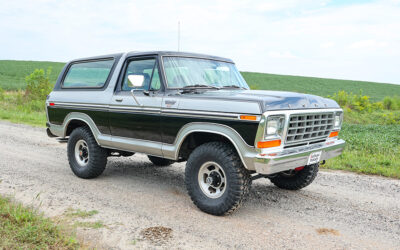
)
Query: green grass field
[
  {"x": 13, "y": 73},
  {"x": 319, "y": 86}
]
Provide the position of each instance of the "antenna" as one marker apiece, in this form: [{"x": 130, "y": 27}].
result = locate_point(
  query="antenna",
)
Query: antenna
[{"x": 179, "y": 35}]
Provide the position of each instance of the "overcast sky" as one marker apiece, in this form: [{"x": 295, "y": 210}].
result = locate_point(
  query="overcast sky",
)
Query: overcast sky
[{"x": 351, "y": 39}]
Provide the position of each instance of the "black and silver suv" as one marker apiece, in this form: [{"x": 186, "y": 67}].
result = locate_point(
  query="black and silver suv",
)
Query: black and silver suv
[{"x": 178, "y": 107}]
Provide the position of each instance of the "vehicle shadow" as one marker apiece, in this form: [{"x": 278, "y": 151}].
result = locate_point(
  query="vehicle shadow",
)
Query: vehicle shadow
[{"x": 263, "y": 194}]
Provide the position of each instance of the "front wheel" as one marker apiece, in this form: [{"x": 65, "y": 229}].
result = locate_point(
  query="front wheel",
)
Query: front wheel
[
  {"x": 216, "y": 179},
  {"x": 86, "y": 158},
  {"x": 297, "y": 178}
]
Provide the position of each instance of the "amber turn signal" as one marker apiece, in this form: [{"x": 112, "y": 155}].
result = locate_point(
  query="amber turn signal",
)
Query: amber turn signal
[
  {"x": 268, "y": 144},
  {"x": 334, "y": 134},
  {"x": 248, "y": 117}
]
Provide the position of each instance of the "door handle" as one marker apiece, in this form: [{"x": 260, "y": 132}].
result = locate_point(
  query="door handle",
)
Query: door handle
[{"x": 118, "y": 99}]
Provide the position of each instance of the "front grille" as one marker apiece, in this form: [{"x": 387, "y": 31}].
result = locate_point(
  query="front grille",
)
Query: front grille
[{"x": 305, "y": 128}]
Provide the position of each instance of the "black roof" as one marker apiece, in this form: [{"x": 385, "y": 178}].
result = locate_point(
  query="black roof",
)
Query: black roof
[{"x": 161, "y": 53}]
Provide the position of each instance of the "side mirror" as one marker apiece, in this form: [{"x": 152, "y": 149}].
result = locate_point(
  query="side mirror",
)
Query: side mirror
[{"x": 135, "y": 81}]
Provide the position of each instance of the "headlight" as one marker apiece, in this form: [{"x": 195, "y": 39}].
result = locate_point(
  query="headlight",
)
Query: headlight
[
  {"x": 338, "y": 119},
  {"x": 274, "y": 126}
]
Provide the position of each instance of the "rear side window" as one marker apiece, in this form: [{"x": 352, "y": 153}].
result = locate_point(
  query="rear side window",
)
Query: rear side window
[{"x": 92, "y": 74}]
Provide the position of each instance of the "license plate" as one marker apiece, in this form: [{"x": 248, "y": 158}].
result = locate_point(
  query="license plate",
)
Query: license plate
[{"x": 314, "y": 158}]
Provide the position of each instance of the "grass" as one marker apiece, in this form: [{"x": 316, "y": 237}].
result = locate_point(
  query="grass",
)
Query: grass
[
  {"x": 15, "y": 109},
  {"x": 370, "y": 149},
  {"x": 89, "y": 224},
  {"x": 80, "y": 213},
  {"x": 13, "y": 73},
  {"x": 25, "y": 228},
  {"x": 319, "y": 86}
]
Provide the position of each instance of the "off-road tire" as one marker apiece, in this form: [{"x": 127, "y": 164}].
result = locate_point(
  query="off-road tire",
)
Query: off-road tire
[
  {"x": 97, "y": 155},
  {"x": 161, "y": 162},
  {"x": 298, "y": 180},
  {"x": 237, "y": 178}
]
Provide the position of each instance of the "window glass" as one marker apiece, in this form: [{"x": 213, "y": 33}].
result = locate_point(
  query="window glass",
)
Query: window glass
[
  {"x": 181, "y": 72},
  {"x": 155, "y": 81},
  {"x": 138, "y": 74},
  {"x": 88, "y": 74}
]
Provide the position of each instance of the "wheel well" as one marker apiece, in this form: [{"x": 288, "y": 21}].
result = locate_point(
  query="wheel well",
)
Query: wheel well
[
  {"x": 73, "y": 125},
  {"x": 196, "y": 139}
]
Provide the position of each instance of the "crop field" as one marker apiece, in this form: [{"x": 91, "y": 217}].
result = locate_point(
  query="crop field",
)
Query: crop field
[
  {"x": 319, "y": 86},
  {"x": 13, "y": 73},
  {"x": 371, "y": 127}
]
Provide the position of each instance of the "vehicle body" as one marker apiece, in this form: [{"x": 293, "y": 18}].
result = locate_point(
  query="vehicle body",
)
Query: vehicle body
[{"x": 154, "y": 103}]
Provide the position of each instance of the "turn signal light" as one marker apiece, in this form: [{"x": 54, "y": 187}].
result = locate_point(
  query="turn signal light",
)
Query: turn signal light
[
  {"x": 248, "y": 117},
  {"x": 268, "y": 144},
  {"x": 334, "y": 134}
]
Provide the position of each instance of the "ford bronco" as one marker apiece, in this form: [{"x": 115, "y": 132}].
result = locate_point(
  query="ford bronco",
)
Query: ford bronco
[{"x": 177, "y": 107}]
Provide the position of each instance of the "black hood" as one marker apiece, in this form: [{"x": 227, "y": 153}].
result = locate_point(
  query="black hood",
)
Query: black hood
[{"x": 270, "y": 100}]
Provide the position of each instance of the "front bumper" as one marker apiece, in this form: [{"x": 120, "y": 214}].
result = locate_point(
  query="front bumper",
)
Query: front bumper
[{"x": 292, "y": 158}]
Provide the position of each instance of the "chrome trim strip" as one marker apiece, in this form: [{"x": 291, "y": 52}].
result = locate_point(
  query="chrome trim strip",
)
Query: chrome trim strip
[{"x": 162, "y": 111}]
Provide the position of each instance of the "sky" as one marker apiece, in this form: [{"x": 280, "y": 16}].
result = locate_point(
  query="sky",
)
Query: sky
[{"x": 353, "y": 39}]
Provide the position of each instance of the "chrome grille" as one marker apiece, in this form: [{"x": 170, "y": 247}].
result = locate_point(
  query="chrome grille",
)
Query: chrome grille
[{"x": 309, "y": 127}]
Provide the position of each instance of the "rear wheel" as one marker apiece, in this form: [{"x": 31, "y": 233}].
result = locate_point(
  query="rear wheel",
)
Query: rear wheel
[
  {"x": 216, "y": 179},
  {"x": 158, "y": 161},
  {"x": 297, "y": 178},
  {"x": 86, "y": 158}
]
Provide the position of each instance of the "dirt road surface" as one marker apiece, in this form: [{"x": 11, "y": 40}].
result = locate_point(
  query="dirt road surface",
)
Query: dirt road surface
[{"x": 338, "y": 211}]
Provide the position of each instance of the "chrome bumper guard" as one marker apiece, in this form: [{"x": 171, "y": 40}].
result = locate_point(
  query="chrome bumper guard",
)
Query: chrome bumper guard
[{"x": 292, "y": 158}]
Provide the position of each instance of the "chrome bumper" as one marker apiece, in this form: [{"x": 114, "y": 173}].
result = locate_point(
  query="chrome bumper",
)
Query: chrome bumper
[{"x": 292, "y": 158}]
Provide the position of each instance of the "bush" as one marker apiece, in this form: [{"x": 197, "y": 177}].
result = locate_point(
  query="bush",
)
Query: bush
[
  {"x": 391, "y": 103},
  {"x": 355, "y": 102},
  {"x": 38, "y": 84}
]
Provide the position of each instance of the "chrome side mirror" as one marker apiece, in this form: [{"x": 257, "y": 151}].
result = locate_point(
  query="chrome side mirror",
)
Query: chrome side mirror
[{"x": 135, "y": 81}]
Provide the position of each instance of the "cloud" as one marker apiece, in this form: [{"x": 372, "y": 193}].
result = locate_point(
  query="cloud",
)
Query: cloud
[{"x": 314, "y": 38}]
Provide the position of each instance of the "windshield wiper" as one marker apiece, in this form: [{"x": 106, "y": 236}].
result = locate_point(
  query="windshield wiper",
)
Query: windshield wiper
[
  {"x": 232, "y": 86},
  {"x": 200, "y": 86}
]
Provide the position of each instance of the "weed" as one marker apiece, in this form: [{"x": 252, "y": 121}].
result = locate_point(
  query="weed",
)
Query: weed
[{"x": 80, "y": 213}]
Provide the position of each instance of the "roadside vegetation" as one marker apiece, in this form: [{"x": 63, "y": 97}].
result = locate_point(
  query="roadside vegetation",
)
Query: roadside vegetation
[
  {"x": 371, "y": 116},
  {"x": 25, "y": 228}
]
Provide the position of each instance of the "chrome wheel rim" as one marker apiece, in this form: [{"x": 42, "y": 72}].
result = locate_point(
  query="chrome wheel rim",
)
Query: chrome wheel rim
[
  {"x": 212, "y": 180},
  {"x": 82, "y": 153}
]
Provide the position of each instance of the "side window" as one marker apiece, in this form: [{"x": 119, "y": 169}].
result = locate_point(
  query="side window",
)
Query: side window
[
  {"x": 155, "y": 80},
  {"x": 138, "y": 74},
  {"x": 88, "y": 74}
]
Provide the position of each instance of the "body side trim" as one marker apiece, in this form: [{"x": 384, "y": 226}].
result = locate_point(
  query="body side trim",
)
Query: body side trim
[{"x": 170, "y": 151}]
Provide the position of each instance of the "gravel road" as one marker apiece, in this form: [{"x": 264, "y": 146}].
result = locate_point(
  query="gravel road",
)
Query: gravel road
[{"x": 338, "y": 211}]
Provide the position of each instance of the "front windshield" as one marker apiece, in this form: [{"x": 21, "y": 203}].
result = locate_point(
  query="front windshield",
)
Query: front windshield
[{"x": 185, "y": 72}]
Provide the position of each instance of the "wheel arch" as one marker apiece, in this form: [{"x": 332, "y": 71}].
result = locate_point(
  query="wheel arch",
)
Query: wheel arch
[
  {"x": 76, "y": 119},
  {"x": 216, "y": 131}
]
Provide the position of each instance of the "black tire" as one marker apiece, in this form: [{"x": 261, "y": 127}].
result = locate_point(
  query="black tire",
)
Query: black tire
[
  {"x": 237, "y": 178},
  {"x": 158, "y": 161},
  {"x": 295, "y": 180},
  {"x": 97, "y": 156}
]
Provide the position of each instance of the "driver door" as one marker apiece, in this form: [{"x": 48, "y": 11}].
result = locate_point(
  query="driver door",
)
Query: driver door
[{"x": 135, "y": 107}]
